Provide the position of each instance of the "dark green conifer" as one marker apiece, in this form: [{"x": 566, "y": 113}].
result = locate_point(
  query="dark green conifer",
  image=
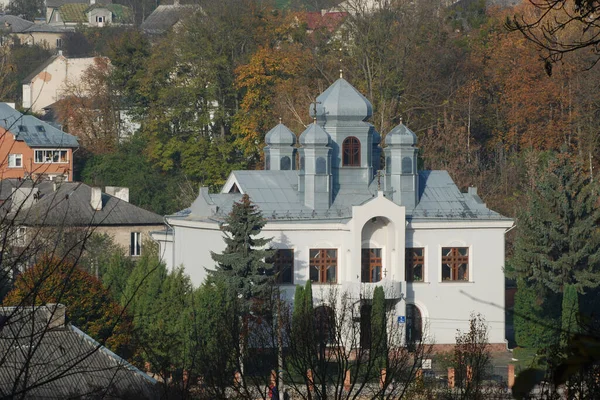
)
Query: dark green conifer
[{"x": 379, "y": 348}]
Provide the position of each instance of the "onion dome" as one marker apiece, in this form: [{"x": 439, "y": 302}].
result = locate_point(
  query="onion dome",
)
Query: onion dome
[
  {"x": 280, "y": 135},
  {"x": 401, "y": 136},
  {"x": 342, "y": 101},
  {"x": 314, "y": 135}
]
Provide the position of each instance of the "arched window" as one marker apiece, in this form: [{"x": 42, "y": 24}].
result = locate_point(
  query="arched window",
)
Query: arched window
[
  {"x": 407, "y": 165},
  {"x": 267, "y": 162},
  {"x": 414, "y": 325},
  {"x": 351, "y": 152},
  {"x": 301, "y": 163},
  {"x": 285, "y": 163}
]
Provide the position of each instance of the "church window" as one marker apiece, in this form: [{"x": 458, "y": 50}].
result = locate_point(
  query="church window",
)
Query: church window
[
  {"x": 371, "y": 265},
  {"x": 285, "y": 163},
  {"x": 407, "y": 165},
  {"x": 415, "y": 264},
  {"x": 455, "y": 264},
  {"x": 323, "y": 265},
  {"x": 351, "y": 152},
  {"x": 283, "y": 266},
  {"x": 321, "y": 166}
]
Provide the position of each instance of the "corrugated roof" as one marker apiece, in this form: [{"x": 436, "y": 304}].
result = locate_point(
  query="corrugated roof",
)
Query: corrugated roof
[
  {"x": 62, "y": 362},
  {"x": 164, "y": 17},
  {"x": 70, "y": 205},
  {"x": 33, "y": 131},
  {"x": 14, "y": 24},
  {"x": 74, "y": 12}
]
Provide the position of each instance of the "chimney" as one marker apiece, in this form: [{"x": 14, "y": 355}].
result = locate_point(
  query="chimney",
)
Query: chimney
[
  {"x": 56, "y": 315},
  {"x": 96, "y": 199},
  {"x": 121, "y": 193}
]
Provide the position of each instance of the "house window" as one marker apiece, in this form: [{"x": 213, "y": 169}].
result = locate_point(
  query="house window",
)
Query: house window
[
  {"x": 415, "y": 264},
  {"x": 51, "y": 156},
  {"x": 371, "y": 265},
  {"x": 135, "y": 248},
  {"x": 99, "y": 19},
  {"x": 283, "y": 266},
  {"x": 455, "y": 264},
  {"x": 15, "y": 160},
  {"x": 59, "y": 43},
  {"x": 351, "y": 152},
  {"x": 323, "y": 265}
]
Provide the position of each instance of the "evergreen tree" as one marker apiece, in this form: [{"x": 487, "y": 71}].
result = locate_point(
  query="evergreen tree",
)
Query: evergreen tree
[
  {"x": 241, "y": 266},
  {"x": 558, "y": 239},
  {"x": 379, "y": 329},
  {"x": 570, "y": 314},
  {"x": 298, "y": 312}
]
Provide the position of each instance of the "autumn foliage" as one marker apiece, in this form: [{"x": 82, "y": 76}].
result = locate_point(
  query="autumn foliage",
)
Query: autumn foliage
[{"x": 89, "y": 306}]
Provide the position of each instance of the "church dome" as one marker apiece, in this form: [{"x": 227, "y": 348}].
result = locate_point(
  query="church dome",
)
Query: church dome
[
  {"x": 401, "y": 136},
  {"x": 280, "y": 135},
  {"x": 342, "y": 101},
  {"x": 314, "y": 135}
]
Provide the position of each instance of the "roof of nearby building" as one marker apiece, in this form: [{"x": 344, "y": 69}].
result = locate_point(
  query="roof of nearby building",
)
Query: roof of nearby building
[
  {"x": 43, "y": 66},
  {"x": 276, "y": 194},
  {"x": 47, "y": 28},
  {"x": 121, "y": 14},
  {"x": 61, "y": 360},
  {"x": 14, "y": 24},
  {"x": 73, "y": 12},
  {"x": 58, "y": 3},
  {"x": 33, "y": 131},
  {"x": 70, "y": 205},
  {"x": 164, "y": 17}
]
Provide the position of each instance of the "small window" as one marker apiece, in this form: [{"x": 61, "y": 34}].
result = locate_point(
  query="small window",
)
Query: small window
[
  {"x": 407, "y": 165},
  {"x": 455, "y": 264},
  {"x": 388, "y": 165},
  {"x": 267, "y": 162},
  {"x": 59, "y": 43},
  {"x": 283, "y": 266},
  {"x": 15, "y": 160},
  {"x": 371, "y": 265},
  {"x": 415, "y": 264},
  {"x": 301, "y": 163},
  {"x": 40, "y": 129},
  {"x": 351, "y": 152},
  {"x": 23, "y": 128},
  {"x": 285, "y": 163},
  {"x": 323, "y": 265},
  {"x": 135, "y": 247}
]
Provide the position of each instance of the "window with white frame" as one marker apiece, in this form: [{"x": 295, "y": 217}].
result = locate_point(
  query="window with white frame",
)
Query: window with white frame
[
  {"x": 51, "y": 156},
  {"x": 15, "y": 160},
  {"x": 19, "y": 236},
  {"x": 135, "y": 248}
]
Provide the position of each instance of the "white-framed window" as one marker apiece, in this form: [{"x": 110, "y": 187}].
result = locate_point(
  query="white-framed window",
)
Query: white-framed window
[
  {"x": 99, "y": 19},
  {"x": 19, "y": 236},
  {"x": 51, "y": 156},
  {"x": 15, "y": 160},
  {"x": 135, "y": 247}
]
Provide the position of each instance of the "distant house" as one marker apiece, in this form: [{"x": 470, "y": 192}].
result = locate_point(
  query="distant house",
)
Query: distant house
[
  {"x": 50, "y": 81},
  {"x": 33, "y": 148},
  {"x": 77, "y": 207},
  {"x": 166, "y": 17},
  {"x": 43, "y": 356},
  {"x": 87, "y": 12},
  {"x": 26, "y": 32}
]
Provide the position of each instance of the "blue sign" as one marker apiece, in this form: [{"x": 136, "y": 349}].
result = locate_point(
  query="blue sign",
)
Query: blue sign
[{"x": 401, "y": 319}]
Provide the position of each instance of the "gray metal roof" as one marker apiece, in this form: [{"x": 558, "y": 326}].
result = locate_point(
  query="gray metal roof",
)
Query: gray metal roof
[
  {"x": 70, "y": 205},
  {"x": 61, "y": 362},
  {"x": 47, "y": 28},
  {"x": 14, "y": 24},
  {"x": 33, "y": 131},
  {"x": 342, "y": 101},
  {"x": 164, "y": 17},
  {"x": 276, "y": 194}
]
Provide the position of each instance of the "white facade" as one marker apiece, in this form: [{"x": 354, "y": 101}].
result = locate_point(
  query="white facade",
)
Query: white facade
[{"x": 459, "y": 240}]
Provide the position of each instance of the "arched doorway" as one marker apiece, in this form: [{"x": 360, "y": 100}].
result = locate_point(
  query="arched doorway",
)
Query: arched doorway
[
  {"x": 414, "y": 325},
  {"x": 377, "y": 238}
]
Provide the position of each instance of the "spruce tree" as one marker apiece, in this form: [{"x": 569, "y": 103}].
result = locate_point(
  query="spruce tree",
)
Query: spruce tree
[
  {"x": 379, "y": 348},
  {"x": 242, "y": 265},
  {"x": 570, "y": 314}
]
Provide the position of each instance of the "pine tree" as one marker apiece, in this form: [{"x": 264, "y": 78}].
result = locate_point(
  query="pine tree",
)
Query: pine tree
[
  {"x": 241, "y": 266},
  {"x": 570, "y": 314},
  {"x": 379, "y": 347},
  {"x": 298, "y": 312},
  {"x": 558, "y": 239}
]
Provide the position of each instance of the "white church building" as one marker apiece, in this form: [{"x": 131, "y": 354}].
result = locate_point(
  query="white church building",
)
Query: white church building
[{"x": 344, "y": 221}]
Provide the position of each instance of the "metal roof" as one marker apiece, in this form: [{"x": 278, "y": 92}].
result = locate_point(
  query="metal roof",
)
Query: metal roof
[
  {"x": 14, "y": 24},
  {"x": 33, "y": 131},
  {"x": 62, "y": 361},
  {"x": 47, "y": 28},
  {"x": 70, "y": 205},
  {"x": 164, "y": 17}
]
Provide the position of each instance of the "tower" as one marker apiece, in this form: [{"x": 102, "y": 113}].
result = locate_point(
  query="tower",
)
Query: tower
[
  {"x": 280, "y": 153},
  {"x": 315, "y": 167},
  {"x": 401, "y": 175}
]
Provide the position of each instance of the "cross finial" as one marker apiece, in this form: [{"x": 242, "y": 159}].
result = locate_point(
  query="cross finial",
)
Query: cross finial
[
  {"x": 341, "y": 70},
  {"x": 341, "y": 73},
  {"x": 280, "y": 119},
  {"x": 400, "y": 120},
  {"x": 314, "y": 104}
]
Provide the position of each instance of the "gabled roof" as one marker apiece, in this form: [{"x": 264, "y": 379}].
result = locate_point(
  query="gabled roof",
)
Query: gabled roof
[
  {"x": 61, "y": 360},
  {"x": 33, "y": 131},
  {"x": 58, "y": 3},
  {"x": 121, "y": 14},
  {"x": 70, "y": 205},
  {"x": 14, "y": 24},
  {"x": 73, "y": 13},
  {"x": 164, "y": 17}
]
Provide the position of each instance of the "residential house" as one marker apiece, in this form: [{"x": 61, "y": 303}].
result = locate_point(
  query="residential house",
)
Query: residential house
[
  {"x": 33, "y": 148},
  {"x": 166, "y": 17},
  {"x": 45, "y": 357},
  {"x": 87, "y": 13},
  {"x": 53, "y": 80},
  {"x": 340, "y": 219},
  {"x": 27, "y": 32},
  {"x": 44, "y": 208}
]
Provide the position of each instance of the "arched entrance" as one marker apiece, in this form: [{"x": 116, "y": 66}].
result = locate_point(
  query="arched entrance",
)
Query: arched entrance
[
  {"x": 414, "y": 325},
  {"x": 377, "y": 238}
]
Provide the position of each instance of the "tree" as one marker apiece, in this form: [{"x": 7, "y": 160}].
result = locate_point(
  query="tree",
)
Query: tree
[
  {"x": 27, "y": 9},
  {"x": 570, "y": 314},
  {"x": 241, "y": 266},
  {"x": 89, "y": 305},
  {"x": 379, "y": 341}
]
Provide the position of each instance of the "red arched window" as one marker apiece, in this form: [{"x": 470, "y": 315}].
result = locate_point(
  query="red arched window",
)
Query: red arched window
[{"x": 351, "y": 152}]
